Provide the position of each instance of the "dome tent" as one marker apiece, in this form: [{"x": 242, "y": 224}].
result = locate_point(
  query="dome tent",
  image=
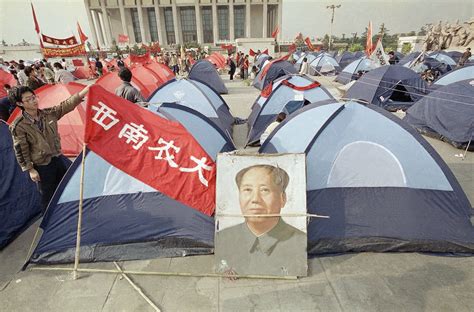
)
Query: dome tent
[
  {"x": 447, "y": 114},
  {"x": 198, "y": 96},
  {"x": 392, "y": 87},
  {"x": 20, "y": 201},
  {"x": 204, "y": 71},
  {"x": 289, "y": 94},
  {"x": 382, "y": 185},
  {"x": 350, "y": 72}
]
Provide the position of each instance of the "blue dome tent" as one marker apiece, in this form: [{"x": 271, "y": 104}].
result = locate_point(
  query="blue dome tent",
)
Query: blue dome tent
[
  {"x": 205, "y": 72},
  {"x": 350, "y": 72},
  {"x": 198, "y": 96},
  {"x": 392, "y": 87},
  {"x": 20, "y": 201},
  {"x": 324, "y": 64},
  {"x": 447, "y": 114},
  {"x": 382, "y": 185},
  {"x": 289, "y": 94},
  {"x": 277, "y": 69},
  {"x": 463, "y": 73},
  {"x": 208, "y": 135}
]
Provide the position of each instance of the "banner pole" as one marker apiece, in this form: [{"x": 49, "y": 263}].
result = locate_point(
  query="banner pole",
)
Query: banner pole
[{"x": 79, "y": 219}]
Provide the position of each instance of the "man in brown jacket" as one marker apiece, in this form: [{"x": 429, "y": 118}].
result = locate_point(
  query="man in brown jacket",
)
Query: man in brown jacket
[{"x": 36, "y": 139}]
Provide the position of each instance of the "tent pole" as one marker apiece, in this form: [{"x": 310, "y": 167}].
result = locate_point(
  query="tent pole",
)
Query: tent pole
[
  {"x": 137, "y": 288},
  {"x": 183, "y": 274},
  {"x": 79, "y": 219}
]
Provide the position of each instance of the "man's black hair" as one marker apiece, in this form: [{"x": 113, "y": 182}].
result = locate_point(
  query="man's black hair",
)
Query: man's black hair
[
  {"x": 16, "y": 93},
  {"x": 58, "y": 65},
  {"x": 21, "y": 66},
  {"x": 125, "y": 74},
  {"x": 28, "y": 70}
]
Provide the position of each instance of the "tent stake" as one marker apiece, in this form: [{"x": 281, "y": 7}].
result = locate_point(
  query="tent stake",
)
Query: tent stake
[
  {"x": 79, "y": 219},
  {"x": 137, "y": 288}
]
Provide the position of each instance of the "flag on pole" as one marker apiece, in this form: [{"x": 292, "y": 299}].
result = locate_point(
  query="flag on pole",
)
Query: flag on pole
[
  {"x": 308, "y": 43},
  {"x": 275, "y": 32},
  {"x": 82, "y": 36},
  {"x": 368, "y": 44},
  {"x": 156, "y": 151},
  {"x": 37, "y": 28},
  {"x": 378, "y": 54},
  {"x": 252, "y": 52}
]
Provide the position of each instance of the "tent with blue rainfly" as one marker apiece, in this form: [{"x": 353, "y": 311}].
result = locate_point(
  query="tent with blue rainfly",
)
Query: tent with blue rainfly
[
  {"x": 324, "y": 64},
  {"x": 204, "y": 71},
  {"x": 447, "y": 114},
  {"x": 443, "y": 57},
  {"x": 345, "y": 59},
  {"x": 207, "y": 133},
  {"x": 275, "y": 71},
  {"x": 392, "y": 87},
  {"x": 20, "y": 201},
  {"x": 289, "y": 94},
  {"x": 455, "y": 55},
  {"x": 198, "y": 96},
  {"x": 310, "y": 56},
  {"x": 463, "y": 73},
  {"x": 421, "y": 63},
  {"x": 123, "y": 218},
  {"x": 351, "y": 71},
  {"x": 261, "y": 60},
  {"x": 382, "y": 185}
]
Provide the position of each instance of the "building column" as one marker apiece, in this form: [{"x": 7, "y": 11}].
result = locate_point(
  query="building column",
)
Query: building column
[
  {"x": 215, "y": 26},
  {"x": 265, "y": 19},
  {"x": 231, "y": 21},
  {"x": 101, "y": 41},
  {"x": 280, "y": 20},
  {"x": 247, "y": 19},
  {"x": 122, "y": 18},
  {"x": 140, "y": 21},
  {"x": 158, "y": 23},
  {"x": 176, "y": 23},
  {"x": 197, "y": 10},
  {"x": 105, "y": 19},
  {"x": 91, "y": 24}
]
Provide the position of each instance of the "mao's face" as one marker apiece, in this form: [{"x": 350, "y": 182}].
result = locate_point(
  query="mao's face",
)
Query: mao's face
[{"x": 258, "y": 194}]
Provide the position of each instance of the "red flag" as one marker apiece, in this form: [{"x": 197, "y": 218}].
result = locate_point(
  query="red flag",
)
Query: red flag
[
  {"x": 265, "y": 51},
  {"x": 37, "y": 28},
  {"x": 308, "y": 43},
  {"x": 122, "y": 38},
  {"x": 275, "y": 32},
  {"x": 82, "y": 36},
  {"x": 368, "y": 45},
  {"x": 252, "y": 52},
  {"x": 159, "y": 152}
]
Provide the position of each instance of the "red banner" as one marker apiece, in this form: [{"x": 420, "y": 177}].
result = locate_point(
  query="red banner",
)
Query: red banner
[
  {"x": 368, "y": 43},
  {"x": 227, "y": 46},
  {"x": 156, "y": 151},
  {"x": 64, "y": 52},
  {"x": 66, "y": 41},
  {"x": 122, "y": 38},
  {"x": 308, "y": 43},
  {"x": 37, "y": 27},
  {"x": 82, "y": 36},
  {"x": 275, "y": 32}
]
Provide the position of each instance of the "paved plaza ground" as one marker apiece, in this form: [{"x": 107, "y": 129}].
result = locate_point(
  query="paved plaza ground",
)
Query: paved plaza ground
[{"x": 350, "y": 282}]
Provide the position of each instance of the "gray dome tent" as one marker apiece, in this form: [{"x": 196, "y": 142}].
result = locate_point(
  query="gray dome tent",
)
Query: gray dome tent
[
  {"x": 447, "y": 114},
  {"x": 382, "y": 185},
  {"x": 205, "y": 71},
  {"x": 392, "y": 87}
]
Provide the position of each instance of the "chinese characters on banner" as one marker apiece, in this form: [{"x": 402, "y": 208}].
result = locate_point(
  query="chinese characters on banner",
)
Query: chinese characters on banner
[
  {"x": 64, "y": 52},
  {"x": 66, "y": 41},
  {"x": 156, "y": 151}
]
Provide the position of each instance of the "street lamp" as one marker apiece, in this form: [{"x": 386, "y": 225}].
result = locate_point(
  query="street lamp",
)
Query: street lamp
[{"x": 333, "y": 8}]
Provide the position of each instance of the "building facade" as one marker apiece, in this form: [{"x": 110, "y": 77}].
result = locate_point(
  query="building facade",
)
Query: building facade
[{"x": 169, "y": 22}]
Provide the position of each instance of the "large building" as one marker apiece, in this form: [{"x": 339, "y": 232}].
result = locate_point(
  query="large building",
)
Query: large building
[{"x": 169, "y": 22}]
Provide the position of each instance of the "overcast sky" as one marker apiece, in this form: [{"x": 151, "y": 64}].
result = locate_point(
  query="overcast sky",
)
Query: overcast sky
[{"x": 57, "y": 18}]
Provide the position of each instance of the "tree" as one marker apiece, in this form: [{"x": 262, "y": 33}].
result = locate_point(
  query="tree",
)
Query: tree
[
  {"x": 406, "y": 48},
  {"x": 356, "y": 47}
]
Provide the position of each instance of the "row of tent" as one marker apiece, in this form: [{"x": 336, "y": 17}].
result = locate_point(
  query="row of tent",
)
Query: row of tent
[{"x": 383, "y": 186}]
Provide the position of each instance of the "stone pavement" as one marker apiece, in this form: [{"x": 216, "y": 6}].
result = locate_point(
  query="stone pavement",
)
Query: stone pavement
[{"x": 351, "y": 282}]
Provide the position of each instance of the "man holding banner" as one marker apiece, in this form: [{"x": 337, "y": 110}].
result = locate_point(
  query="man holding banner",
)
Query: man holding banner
[{"x": 36, "y": 139}]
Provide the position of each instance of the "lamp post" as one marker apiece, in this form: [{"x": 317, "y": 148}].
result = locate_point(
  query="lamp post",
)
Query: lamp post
[{"x": 333, "y": 7}]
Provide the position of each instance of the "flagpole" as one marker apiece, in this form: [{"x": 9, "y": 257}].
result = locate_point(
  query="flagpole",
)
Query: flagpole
[{"x": 79, "y": 219}]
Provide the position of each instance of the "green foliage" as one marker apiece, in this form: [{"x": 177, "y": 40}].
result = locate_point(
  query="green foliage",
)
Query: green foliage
[
  {"x": 406, "y": 48},
  {"x": 356, "y": 47}
]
